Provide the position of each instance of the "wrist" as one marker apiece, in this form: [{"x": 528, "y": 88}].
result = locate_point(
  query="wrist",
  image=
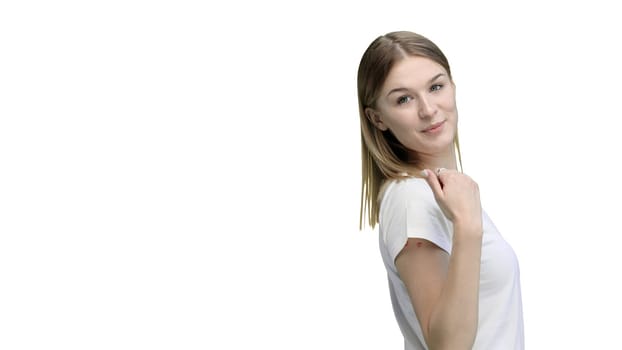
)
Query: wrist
[{"x": 468, "y": 228}]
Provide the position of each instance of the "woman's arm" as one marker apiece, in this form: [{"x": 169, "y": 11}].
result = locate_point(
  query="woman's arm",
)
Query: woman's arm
[{"x": 444, "y": 288}]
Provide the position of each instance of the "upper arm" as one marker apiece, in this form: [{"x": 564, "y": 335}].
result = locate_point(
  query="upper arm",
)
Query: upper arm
[{"x": 422, "y": 266}]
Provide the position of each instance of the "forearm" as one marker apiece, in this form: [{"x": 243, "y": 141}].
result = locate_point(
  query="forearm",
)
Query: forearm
[{"x": 453, "y": 322}]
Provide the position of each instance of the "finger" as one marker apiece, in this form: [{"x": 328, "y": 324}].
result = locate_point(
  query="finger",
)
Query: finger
[{"x": 434, "y": 182}]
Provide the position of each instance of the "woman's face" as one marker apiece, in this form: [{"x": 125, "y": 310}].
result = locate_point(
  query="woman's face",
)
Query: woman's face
[{"x": 417, "y": 95}]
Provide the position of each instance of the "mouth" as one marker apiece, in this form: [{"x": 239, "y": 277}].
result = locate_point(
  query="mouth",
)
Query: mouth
[{"x": 434, "y": 127}]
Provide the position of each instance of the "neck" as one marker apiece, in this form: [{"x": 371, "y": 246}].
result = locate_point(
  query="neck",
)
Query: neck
[{"x": 445, "y": 159}]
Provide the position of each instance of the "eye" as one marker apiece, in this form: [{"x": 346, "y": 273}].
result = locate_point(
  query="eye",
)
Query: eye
[
  {"x": 436, "y": 87},
  {"x": 403, "y": 99}
]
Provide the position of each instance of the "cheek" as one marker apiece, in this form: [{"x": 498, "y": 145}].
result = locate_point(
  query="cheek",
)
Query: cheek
[
  {"x": 447, "y": 100},
  {"x": 399, "y": 121},
  {"x": 448, "y": 104}
]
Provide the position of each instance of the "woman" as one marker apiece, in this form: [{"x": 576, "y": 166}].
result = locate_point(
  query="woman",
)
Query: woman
[{"x": 453, "y": 280}]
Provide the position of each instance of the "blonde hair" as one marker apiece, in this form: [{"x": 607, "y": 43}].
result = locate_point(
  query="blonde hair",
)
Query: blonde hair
[{"x": 383, "y": 156}]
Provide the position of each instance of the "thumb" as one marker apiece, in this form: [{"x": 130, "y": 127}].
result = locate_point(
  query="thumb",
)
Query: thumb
[{"x": 434, "y": 182}]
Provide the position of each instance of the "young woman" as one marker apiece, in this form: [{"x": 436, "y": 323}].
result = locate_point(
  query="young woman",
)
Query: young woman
[{"x": 454, "y": 282}]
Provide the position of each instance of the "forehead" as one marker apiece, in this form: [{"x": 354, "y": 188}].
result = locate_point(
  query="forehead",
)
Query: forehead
[{"x": 412, "y": 71}]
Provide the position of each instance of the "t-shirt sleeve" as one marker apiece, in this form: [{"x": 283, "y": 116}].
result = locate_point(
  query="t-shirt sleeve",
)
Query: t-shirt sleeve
[{"x": 409, "y": 210}]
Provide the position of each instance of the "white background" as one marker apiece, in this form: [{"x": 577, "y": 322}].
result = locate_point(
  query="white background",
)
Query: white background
[{"x": 178, "y": 175}]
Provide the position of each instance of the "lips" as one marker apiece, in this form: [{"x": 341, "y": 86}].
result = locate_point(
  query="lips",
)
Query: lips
[{"x": 433, "y": 126}]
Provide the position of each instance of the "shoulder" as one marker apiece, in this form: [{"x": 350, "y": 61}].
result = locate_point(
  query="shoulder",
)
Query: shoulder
[
  {"x": 406, "y": 191},
  {"x": 408, "y": 210},
  {"x": 407, "y": 197}
]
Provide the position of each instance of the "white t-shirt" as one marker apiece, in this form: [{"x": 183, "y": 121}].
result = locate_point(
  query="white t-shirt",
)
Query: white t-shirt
[{"x": 408, "y": 209}]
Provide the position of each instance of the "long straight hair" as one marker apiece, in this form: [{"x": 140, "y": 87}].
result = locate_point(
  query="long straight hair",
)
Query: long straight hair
[{"x": 383, "y": 156}]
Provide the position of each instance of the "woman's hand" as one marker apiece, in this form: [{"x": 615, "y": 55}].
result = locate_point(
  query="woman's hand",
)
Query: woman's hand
[{"x": 458, "y": 197}]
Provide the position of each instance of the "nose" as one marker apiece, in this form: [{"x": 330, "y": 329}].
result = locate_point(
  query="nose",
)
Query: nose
[{"x": 427, "y": 108}]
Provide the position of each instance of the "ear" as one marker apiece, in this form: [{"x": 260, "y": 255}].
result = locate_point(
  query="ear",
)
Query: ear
[{"x": 375, "y": 118}]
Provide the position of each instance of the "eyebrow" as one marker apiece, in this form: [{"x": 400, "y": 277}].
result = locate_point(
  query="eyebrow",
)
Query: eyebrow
[{"x": 405, "y": 89}]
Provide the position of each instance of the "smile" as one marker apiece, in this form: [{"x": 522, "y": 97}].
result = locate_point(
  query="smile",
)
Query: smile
[{"x": 435, "y": 128}]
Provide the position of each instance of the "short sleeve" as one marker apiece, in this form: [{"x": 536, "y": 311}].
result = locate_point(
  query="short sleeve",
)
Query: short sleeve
[{"x": 408, "y": 210}]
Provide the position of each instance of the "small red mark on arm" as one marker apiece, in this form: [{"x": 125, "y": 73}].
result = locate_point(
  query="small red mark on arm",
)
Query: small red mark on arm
[{"x": 419, "y": 244}]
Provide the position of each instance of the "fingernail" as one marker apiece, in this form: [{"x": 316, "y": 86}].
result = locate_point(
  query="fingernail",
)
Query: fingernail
[{"x": 424, "y": 173}]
